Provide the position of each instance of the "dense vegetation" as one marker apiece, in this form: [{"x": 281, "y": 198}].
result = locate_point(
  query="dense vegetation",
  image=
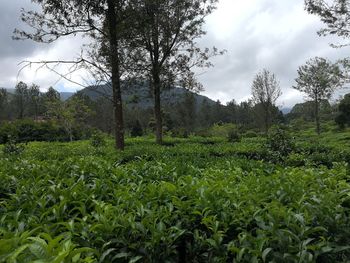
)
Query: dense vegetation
[
  {"x": 240, "y": 182},
  {"x": 274, "y": 199},
  {"x": 185, "y": 113}
]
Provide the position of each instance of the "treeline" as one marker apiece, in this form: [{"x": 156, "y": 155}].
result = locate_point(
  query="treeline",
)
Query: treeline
[
  {"x": 29, "y": 114},
  {"x": 190, "y": 116},
  {"x": 82, "y": 112}
]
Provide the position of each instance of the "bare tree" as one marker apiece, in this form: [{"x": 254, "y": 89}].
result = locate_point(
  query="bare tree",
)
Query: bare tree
[
  {"x": 98, "y": 20},
  {"x": 318, "y": 79},
  {"x": 266, "y": 90}
]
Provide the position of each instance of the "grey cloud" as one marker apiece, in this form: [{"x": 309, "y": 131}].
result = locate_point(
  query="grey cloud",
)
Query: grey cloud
[
  {"x": 273, "y": 34},
  {"x": 250, "y": 50},
  {"x": 9, "y": 20}
]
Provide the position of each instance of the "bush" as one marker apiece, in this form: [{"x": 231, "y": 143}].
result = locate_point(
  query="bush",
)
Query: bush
[
  {"x": 280, "y": 143},
  {"x": 233, "y": 136},
  {"x": 136, "y": 130},
  {"x": 29, "y": 130},
  {"x": 218, "y": 130},
  {"x": 12, "y": 148},
  {"x": 97, "y": 140},
  {"x": 250, "y": 134},
  {"x": 179, "y": 133}
]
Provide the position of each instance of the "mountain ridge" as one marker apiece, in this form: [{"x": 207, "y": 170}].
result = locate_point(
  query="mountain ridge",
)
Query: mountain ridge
[{"x": 140, "y": 95}]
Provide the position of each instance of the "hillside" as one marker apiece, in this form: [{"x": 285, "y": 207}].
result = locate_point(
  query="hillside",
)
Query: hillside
[
  {"x": 139, "y": 95},
  {"x": 64, "y": 95}
]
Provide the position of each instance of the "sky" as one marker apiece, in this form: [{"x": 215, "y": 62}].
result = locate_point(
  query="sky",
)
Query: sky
[{"x": 278, "y": 35}]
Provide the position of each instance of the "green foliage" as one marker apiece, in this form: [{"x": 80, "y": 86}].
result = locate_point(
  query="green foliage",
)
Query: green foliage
[
  {"x": 233, "y": 136},
  {"x": 279, "y": 143},
  {"x": 12, "y": 148},
  {"x": 318, "y": 79},
  {"x": 343, "y": 118},
  {"x": 250, "y": 134},
  {"x": 29, "y": 130},
  {"x": 200, "y": 200},
  {"x": 179, "y": 133},
  {"x": 136, "y": 129},
  {"x": 218, "y": 130},
  {"x": 97, "y": 140}
]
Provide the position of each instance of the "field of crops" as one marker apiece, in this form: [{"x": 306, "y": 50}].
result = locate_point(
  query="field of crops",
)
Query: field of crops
[{"x": 190, "y": 200}]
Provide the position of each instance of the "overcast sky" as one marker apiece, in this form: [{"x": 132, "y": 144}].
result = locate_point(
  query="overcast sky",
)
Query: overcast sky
[{"x": 272, "y": 34}]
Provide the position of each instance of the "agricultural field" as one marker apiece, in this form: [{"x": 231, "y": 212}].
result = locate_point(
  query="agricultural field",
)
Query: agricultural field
[{"x": 189, "y": 200}]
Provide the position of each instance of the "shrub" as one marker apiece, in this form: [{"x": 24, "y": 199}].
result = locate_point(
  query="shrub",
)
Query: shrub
[
  {"x": 97, "y": 140},
  {"x": 218, "y": 130},
  {"x": 233, "y": 136},
  {"x": 179, "y": 133},
  {"x": 29, "y": 130},
  {"x": 280, "y": 143},
  {"x": 203, "y": 133},
  {"x": 250, "y": 134},
  {"x": 136, "y": 130},
  {"x": 12, "y": 148}
]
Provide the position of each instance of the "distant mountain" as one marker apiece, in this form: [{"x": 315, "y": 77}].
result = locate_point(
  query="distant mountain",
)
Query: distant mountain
[
  {"x": 139, "y": 95},
  {"x": 286, "y": 110},
  {"x": 11, "y": 91},
  {"x": 66, "y": 95}
]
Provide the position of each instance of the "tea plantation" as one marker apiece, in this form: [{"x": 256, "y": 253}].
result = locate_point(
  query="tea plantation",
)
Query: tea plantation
[{"x": 190, "y": 200}]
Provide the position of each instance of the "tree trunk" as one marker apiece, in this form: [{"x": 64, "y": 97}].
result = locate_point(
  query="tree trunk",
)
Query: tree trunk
[
  {"x": 157, "y": 107},
  {"x": 267, "y": 122},
  {"x": 317, "y": 116},
  {"x": 21, "y": 109},
  {"x": 267, "y": 118},
  {"x": 116, "y": 87}
]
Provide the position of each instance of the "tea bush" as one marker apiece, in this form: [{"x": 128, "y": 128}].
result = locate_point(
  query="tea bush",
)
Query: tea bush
[
  {"x": 279, "y": 143},
  {"x": 97, "y": 140},
  {"x": 12, "y": 148},
  {"x": 233, "y": 136},
  {"x": 199, "y": 200}
]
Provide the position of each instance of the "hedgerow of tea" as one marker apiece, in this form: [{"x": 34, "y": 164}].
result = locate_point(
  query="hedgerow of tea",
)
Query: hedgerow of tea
[{"x": 190, "y": 200}]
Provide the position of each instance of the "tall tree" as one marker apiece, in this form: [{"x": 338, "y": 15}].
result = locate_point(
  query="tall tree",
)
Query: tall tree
[
  {"x": 99, "y": 20},
  {"x": 266, "y": 90},
  {"x": 318, "y": 79},
  {"x": 343, "y": 117},
  {"x": 69, "y": 114},
  {"x": 232, "y": 110},
  {"x": 166, "y": 33},
  {"x": 34, "y": 97},
  {"x": 21, "y": 99},
  {"x": 186, "y": 111},
  {"x": 51, "y": 95},
  {"x": 3, "y": 103}
]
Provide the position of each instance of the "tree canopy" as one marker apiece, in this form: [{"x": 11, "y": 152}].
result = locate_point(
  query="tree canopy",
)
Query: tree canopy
[
  {"x": 335, "y": 14},
  {"x": 318, "y": 79},
  {"x": 266, "y": 90}
]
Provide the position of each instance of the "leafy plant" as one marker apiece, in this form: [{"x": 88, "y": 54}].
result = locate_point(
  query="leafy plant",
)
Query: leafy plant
[
  {"x": 280, "y": 143},
  {"x": 12, "y": 148},
  {"x": 192, "y": 202},
  {"x": 233, "y": 136},
  {"x": 97, "y": 140}
]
